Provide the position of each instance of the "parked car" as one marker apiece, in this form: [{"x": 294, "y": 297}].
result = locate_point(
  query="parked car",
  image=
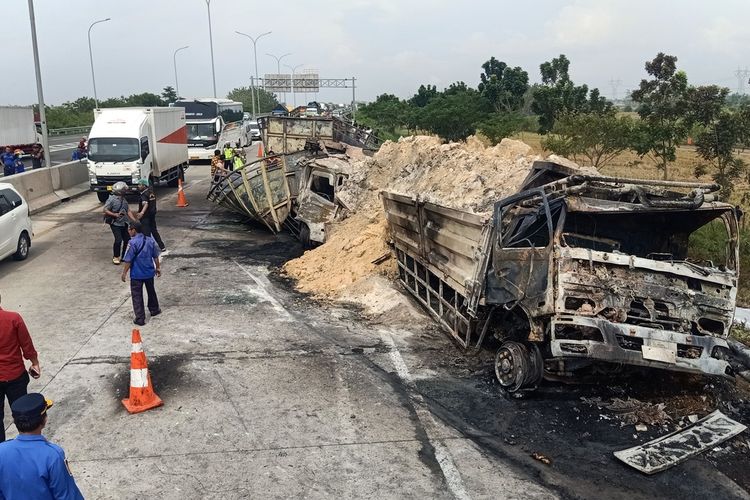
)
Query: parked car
[{"x": 15, "y": 224}]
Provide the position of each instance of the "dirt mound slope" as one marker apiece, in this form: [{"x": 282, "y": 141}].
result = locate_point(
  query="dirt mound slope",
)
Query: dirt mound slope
[{"x": 468, "y": 176}]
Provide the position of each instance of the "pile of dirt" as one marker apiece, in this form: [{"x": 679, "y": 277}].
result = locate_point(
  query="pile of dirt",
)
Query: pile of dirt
[{"x": 467, "y": 176}]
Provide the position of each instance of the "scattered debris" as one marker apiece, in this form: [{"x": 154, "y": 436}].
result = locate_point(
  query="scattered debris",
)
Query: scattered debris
[
  {"x": 632, "y": 411},
  {"x": 667, "y": 451},
  {"x": 641, "y": 427},
  {"x": 542, "y": 458}
]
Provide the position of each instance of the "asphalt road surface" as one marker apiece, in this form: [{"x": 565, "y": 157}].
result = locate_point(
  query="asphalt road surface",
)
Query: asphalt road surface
[
  {"x": 269, "y": 394},
  {"x": 61, "y": 148}
]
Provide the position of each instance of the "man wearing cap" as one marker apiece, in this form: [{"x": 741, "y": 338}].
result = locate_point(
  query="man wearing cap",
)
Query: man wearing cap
[
  {"x": 147, "y": 212},
  {"x": 31, "y": 466},
  {"x": 142, "y": 260},
  {"x": 15, "y": 345}
]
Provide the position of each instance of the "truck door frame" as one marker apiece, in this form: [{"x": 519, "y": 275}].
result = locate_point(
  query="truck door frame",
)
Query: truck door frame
[{"x": 520, "y": 274}]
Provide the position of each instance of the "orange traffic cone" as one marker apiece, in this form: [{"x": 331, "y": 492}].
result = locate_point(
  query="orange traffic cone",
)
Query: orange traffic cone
[
  {"x": 260, "y": 150},
  {"x": 181, "y": 200},
  {"x": 142, "y": 396}
]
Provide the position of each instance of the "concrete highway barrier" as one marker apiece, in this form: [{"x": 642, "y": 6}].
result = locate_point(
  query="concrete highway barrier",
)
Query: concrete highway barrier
[{"x": 46, "y": 187}]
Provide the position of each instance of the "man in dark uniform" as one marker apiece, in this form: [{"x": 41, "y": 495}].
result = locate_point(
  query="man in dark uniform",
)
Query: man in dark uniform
[
  {"x": 147, "y": 212},
  {"x": 31, "y": 466}
]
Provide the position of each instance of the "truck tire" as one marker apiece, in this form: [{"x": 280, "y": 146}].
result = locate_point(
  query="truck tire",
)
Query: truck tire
[
  {"x": 518, "y": 366},
  {"x": 304, "y": 237},
  {"x": 102, "y": 195},
  {"x": 22, "y": 250}
]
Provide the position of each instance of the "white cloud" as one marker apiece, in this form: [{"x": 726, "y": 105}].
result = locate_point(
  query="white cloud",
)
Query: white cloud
[{"x": 584, "y": 23}]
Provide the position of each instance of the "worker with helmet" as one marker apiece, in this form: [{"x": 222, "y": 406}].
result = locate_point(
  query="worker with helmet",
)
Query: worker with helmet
[
  {"x": 117, "y": 215},
  {"x": 18, "y": 165}
]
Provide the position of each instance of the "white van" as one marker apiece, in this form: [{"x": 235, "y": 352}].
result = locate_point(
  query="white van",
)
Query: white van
[{"x": 15, "y": 224}]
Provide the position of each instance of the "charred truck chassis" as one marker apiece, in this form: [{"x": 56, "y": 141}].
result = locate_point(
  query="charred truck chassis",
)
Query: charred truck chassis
[{"x": 573, "y": 272}]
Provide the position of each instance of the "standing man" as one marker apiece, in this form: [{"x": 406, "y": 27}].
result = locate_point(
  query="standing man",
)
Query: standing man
[
  {"x": 19, "y": 166},
  {"x": 142, "y": 260},
  {"x": 147, "y": 212},
  {"x": 37, "y": 155},
  {"x": 15, "y": 345},
  {"x": 116, "y": 214},
  {"x": 31, "y": 466},
  {"x": 228, "y": 156},
  {"x": 9, "y": 162}
]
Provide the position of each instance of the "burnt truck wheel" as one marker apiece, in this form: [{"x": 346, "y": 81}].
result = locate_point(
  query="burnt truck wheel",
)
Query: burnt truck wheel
[
  {"x": 102, "y": 196},
  {"x": 304, "y": 236},
  {"x": 518, "y": 366}
]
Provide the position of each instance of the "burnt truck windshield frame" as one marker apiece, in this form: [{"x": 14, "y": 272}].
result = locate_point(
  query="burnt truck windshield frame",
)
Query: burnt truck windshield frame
[
  {"x": 102, "y": 149},
  {"x": 657, "y": 234}
]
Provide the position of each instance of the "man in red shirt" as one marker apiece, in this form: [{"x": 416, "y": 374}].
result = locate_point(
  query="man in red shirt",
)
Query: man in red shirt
[{"x": 15, "y": 345}]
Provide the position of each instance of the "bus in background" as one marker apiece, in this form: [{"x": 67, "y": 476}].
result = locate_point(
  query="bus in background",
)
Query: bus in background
[{"x": 205, "y": 118}]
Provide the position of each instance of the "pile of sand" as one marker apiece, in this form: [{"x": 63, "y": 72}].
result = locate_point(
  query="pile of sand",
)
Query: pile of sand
[{"x": 467, "y": 176}]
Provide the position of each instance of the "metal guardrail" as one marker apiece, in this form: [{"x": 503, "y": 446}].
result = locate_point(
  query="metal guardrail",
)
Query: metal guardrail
[{"x": 69, "y": 131}]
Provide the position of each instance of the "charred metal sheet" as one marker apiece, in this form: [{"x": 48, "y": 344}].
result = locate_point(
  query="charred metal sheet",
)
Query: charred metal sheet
[{"x": 667, "y": 451}]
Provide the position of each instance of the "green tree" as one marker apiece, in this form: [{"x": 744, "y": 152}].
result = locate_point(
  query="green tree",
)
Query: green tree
[
  {"x": 423, "y": 96},
  {"x": 663, "y": 108},
  {"x": 146, "y": 99},
  {"x": 724, "y": 134},
  {"x": 385, "y": 115},
  {"x": 168, "y": 94},
  {"x": 558, "y": 95},
  {"x": 114, "y": 102},
  {"x": 455, "y": 114},
  {"x": 504, "y": 87},
  {"x": 590, "y": 138},
  {"x": 267, "y": 100},
  {"x": 498, "y": 126}
]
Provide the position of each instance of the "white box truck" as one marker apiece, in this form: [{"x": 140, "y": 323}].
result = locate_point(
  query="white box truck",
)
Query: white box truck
[
  {"x": 127, "y": 144},
  {"x": 17, "y": 128}
]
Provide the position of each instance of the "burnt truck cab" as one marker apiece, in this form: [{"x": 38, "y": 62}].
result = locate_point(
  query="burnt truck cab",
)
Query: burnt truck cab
[{"x": 599, "y": 269}]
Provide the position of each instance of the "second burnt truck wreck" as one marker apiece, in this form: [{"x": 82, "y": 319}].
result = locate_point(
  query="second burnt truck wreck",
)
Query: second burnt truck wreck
[{"x": 576, "y": 271}]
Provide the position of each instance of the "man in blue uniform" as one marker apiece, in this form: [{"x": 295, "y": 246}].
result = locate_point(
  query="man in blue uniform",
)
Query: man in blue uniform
[{"x": 31, "y": 466}]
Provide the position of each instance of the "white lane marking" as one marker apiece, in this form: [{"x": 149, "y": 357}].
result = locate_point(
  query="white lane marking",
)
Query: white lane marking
[
  {"x": 442, "y": 454},
  {"x": 264, "y": 294},
  {"x": 62, "y": 147}
]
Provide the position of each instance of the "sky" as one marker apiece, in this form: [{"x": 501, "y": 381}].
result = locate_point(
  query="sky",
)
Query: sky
[{"x": 390, "y": 46}]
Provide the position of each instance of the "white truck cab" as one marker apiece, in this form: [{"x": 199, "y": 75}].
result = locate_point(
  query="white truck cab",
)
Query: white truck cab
[{"x": 127, "y": 144}]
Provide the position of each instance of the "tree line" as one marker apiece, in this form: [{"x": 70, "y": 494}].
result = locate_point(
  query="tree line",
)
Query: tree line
[
  {"x": 577, "y": 121},
  {"x": 80, "y": 112}
]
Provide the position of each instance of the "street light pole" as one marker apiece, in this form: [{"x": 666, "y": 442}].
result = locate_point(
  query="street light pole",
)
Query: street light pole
[
  {"x": 255, "y": 55},
  {"x": 294, "y": 70},
  {"x": 91, "y": 59},
  {"x": 40, "y": 94},
  {"x": 211, "y": 43},
  {"x": 174, "y": 60},
  {"x": 278, "y": 67}
]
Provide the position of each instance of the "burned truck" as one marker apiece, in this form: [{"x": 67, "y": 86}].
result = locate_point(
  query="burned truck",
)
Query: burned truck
[{"x": 577, "y": 273}]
